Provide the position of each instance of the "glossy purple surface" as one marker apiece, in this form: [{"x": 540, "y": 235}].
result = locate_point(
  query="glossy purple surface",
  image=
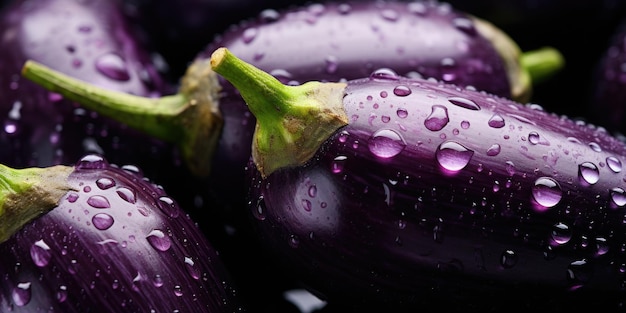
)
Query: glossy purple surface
[
  {"x": 439, "y": 195},
  {"x": 118, "y": 243}
]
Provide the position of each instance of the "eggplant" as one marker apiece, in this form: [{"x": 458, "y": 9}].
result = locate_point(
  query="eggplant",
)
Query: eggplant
[
  {"x": 607, "y": 104},
  {"x": 97, "y": 237},
  {"x": 404, "y": 192}
]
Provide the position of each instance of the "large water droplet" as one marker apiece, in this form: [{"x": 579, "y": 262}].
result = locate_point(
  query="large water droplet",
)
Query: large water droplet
[
  {"x": 384, "y": 74},
  {"x": 386, "y": 143},
  {"x": 547, "y": 192},
  {"x": 453, "y": 156},
  {"x": 561, "y": 233},
  {"x": 464, "y": 103},
  {"x": 533, "y": 138},
  {"x": 40, "y": 253},
  {"x": 102, "y": 221},
  {"x": 579, "y": 273},
  {"x": 169, "y": 206},
  {"x": 496, "y": 121},
  {"x": 159, "y": 240},
  {"x": 113, "y": 66},
  {"x": 508, "y": 259},
  {"x": 438, "y": 118},
  {"x": 402, "y": 91},
  {"x": 61, "y": 294},
  {"x": 92, "y": 161},
  {"x": 493, "y": 150},
  {"x": 105, "y": 183},
  {"x": 21, "y": 294},
  {"x": 618, "y": 196},
  {"x": 588, "y": 173},
  {"x": 614, "y": 164},
  {"x": 99, "y": 202},
  {"x": 338, "y": 164},
  {"x": 126, "y": 194}
]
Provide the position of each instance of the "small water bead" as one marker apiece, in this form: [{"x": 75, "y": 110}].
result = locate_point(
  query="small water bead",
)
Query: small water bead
[
  {"x": 169, "y": 206},
  {"x": 113, "y": 66},
  {"x": 249, "y": 35},
  {"x": 493, "y": 150},
  {"x": 259, "y": 210},
  {"x": 533, "y": 138},
  {"x": 312, "y": 191},
  {"x": 595, "y": 147},
  {"x": 157, "y": 281},
  {"x": 61, "y": 294},
  {"x": 383, "y": 94},
  {"x": 402, "y": 113},
  {"x": 496, "y": 121},
  {"x": 338, "y": 164},
  {"x": 178, "y": 291},
  {"x": 344, "y": 8},
  {"x": 92, "y": 161},
  {"x": 579, "y": 272},
  {"x": 384, "y": 74},
  {"x": 465, "y": 124},
  {"x": 618, "y": 196},
  {"x": 159, "y": 240},
  {"x": 99, "y": 202},
  {"x": 21, "y": 294},
  {"x": 105, "y": 183},
  {"x": 588, "y": 173},
  {"x": 385, "y": 119},
  {"x": 126, "y": 194},
  {"x": 509, "y": 166},
  {"x": 561, "y": 233},
  {"x": 464, "y": 103},
  {"x": 437, "y": 119},
  {"x": 614, "y": 164},
  {"x": 102, "y": 221},
  {"x": 191, "y": 268},
  {"x": 386, "y": 143},
  {"x": 331, "y": 64},
  {"x": 547, "y": 192},
  {"x": 306, "y": 205},
  {"x": 453, "y": 156},
  {"x": 402, "y": 90},
  {"x": 40, "y": 253},
  {"x": 508, "y": 259},
  {"x": 72, "y": 197}
]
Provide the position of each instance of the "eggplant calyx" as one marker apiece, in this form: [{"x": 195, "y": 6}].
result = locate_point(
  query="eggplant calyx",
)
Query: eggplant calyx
[
  {"x": 189, "y": 119},
  {"x": 27, "y": 193},
  {"x": 292, "y": 121}
]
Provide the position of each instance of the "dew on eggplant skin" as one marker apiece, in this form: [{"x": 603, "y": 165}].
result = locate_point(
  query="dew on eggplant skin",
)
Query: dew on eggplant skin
[
  {"x": 61, "y": 294},
  {"x": 493, "y": 150},
  {"x": 312, "y": 191},
  {"x": 87, "y": 189},
  {"x": 595, "y": 147},
  {"x": 465, "y": 25},
  {"x": 465, "y": 124},
  {"x": 72, "y": 268},
  {"x": 249, "y": 34},
  {"x": 437, "y": 119},
  {"x": 157, "y": 281},
  {"x": 191, "y": 268},
  {"x": 384, "y": 74},
  {"x": 169, "y": 206},
  {"x": 113, "y": 66},
  {"x": 126, "y": 194},
  {"x": 561, "y": 233},
  {"x": 402, "y": 90},
  {"x": 496, "y": 121},
  {"x": 159, "y": 240},
  {"x": 386, "y": 143},
  {"x": 331, "y": 64},
  {"x": 21, "y": 294},
  {"x": 99, "y": 202},
  {"x": 547, "y": 192},
  {"x": 383, "y": 94},
  {"x": 178, "y": 291},
  {"x": 508, "y": 259},
  {"x": 533, "y": 137},
  {"x": 614, "y": 164},
  {"x": 618, "y": 196},
  {"x": 343, "y": 136},
  {"x": 132, "y": 169},
  {"x": 11, "y": 127},
  {"x": 402, "y": 113},
  {"x": 294, "y": 241},
  {"x": 453, "y": 156},
  {"x": 385, "y": 119},
  {"x": 464, "y": 103},
  {"x": 269, "y": 15},
  {"x": 389, "y": 15},
  {"x": 602, "y": 246},
  {"x": 102, "y": 221},
  {"x": 578, "y": 273},
  {"x": 40, "y": 253},
  {"x": 306, "y": 205},
  {"x": 344, "y": 8},
  {"x": 588, "y": 173},
  {"x": 338, "y": 164},
  {"x": 258, "y": 211},
  {"x": 92, "y": 161},
  {"x": 72, "y": 197},
  {"x": 105, "y": 183}
]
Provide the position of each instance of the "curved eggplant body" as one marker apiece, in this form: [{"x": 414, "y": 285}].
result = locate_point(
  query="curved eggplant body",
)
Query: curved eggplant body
[
  {"x": 117, "y": 243},
  {"x": 437, "y": 194}
]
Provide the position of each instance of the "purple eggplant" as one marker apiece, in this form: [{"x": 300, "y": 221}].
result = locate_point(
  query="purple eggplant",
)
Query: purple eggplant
[
  {"x": 96, "y": 237},
  {"x": 403, "y": 192}
]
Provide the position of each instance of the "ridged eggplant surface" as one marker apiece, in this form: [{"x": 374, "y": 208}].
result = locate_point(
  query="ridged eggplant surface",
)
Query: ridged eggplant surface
[{"x": 116, "y": 242}]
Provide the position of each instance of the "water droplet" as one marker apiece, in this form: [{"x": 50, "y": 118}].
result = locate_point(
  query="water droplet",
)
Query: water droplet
[
  {"x": 493, "y": 150},
  {"x": 533, "y": 138},
  {"x": 169, "y": 206},
  {"x": 269, "y": 15},
  {"x": 61, "y": 293},
  {"x": 99, "y": 202},
  {"x": 588, "y": 173},
  {"x": 105, "y": 183},
  {"x": 561, "y": 233},
  {"x": 386, "y": 143},
  {"x": 312, "y": 191},
  {"x": 113, "y": 66},
  {"x": 102, "y": 221},
  {"x": 157, "y": 281},
  {"x": 306, "y": 205},
  {"x": 178, "y": 291},
  {"x": 614, "y": 164},
  {"x": 578, "y": 273},
  {"x": 126, "y": 194},
  {"x": 465, "y": 25},
  {"x": 159, "y": 240},
  {"x": 92, "y": 161},
  {"x": 402, "y": 91},
  {"x": 21, "y": 294},
  {"x": 438, "y": 118},
  {"x": 508, "y": 259},
  {"x": 191, "y": 269},
  {"x": 496, "y": 121},
  {"x": 402, "y": 113},
  {"x": 464, "y": 103},
  {"x": 249, "y": 34},
  {"x": 331, "y": 64},
  {"x": 384, "y": 74},
  {"x": 465, "y": 124},
  {"x": 389, "y": 15},
  {"x": 338, "y": 164},
  {"x": 383, "y": 94},
  {"x": 453, "y": 156},
  {"x": 40, "y": 253},
  {"x": 259, "y": 210},
  {"x": 618, "y": 196},
  {"x": 510, "y": 168},
  {"x": 547, "y": 192}
]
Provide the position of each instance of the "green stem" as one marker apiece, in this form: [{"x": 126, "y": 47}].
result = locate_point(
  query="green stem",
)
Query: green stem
[
  {"x": 292, "y": 121},
  {"x": 27, "y": 193},
  {"x": 189, "y": 119},
  {"x": 542, "y": 63}
]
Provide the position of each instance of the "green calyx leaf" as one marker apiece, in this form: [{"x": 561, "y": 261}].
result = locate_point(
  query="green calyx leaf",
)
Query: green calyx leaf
[
  {"x": 292, "y": 121},
  {"x": 27, "y": 193}
]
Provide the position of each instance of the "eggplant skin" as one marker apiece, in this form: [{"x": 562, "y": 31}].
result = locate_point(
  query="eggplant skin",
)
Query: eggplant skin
[
  {"x": 117, "y": 243},
  {"x": 435, "y": 194}
]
